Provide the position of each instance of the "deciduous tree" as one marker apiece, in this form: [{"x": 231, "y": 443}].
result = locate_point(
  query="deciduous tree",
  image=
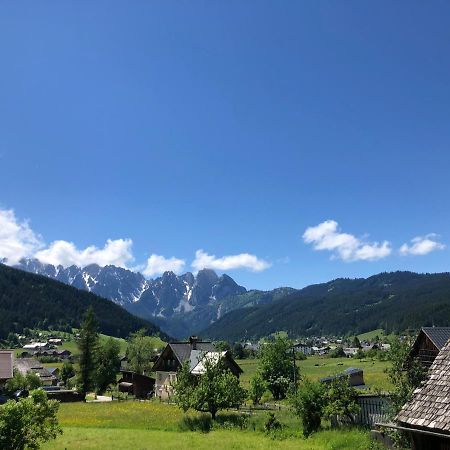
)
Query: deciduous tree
[
  {"x": 140, "y": 352},
  {"x": 217, "y": 388},
  {"x": 108, "y": 364},
  {"x": 277, "y": 367}
]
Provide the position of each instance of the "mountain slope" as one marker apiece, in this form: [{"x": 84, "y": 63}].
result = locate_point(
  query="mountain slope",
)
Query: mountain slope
[
  {"x": 28, "y": 300},
  {"x": 393, "y": 301}
]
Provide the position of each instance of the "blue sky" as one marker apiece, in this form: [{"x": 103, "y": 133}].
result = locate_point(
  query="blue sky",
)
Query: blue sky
[{"x": 295, "y": 141}]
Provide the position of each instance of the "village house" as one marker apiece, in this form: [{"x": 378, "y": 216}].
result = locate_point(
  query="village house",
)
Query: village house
[
  {"x": 427, "y": 415},
  {"x": 34, "y": 346},
  {"x": 303, "y": 348},
  {"x": 428, "y": 343},
  {"x": 25, "y": 365},
  {"x": 176, "y": 354},
  {"x": 350, "y": 351},
  {"x": 6, "y": 366}
]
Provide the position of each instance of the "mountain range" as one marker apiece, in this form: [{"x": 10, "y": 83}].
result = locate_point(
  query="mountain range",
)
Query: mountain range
[
  {"x": 217, "y": 307},
  {"x": 179, "y": 304}
]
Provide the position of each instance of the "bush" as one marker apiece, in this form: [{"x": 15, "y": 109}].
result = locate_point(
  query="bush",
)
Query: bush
[
  {"x": 257, "y": 388},
  {"x": 272, "y": 423},
  {"x": 28, "y": 422},
  {"x": 308, "y": 404},
  {"x": 338, "y": 352},
  {"x": 201, "y": 423},
  {"x": 341, "y": 400}
]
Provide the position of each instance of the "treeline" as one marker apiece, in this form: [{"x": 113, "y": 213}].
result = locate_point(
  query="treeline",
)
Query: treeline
[
  {"x": 392, "y": 301},
  {"x": 34, "y": 301}
]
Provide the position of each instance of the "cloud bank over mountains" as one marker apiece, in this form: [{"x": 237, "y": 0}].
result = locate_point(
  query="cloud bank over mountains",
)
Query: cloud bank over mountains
[{"x": 18, "y": 240}]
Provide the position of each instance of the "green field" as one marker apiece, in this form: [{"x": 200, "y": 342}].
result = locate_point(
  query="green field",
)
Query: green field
[
  {"x": 154, "y": 425},
  {"x": 370, "y": 335},
  {"x": 316, "y": 367}
]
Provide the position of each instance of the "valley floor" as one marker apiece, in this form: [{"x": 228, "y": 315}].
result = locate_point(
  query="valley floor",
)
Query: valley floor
[{"x": 154, "y": 425}]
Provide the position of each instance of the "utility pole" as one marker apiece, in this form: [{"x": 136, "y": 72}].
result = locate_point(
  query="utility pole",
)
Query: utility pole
[{"x": 295, "y": 369}]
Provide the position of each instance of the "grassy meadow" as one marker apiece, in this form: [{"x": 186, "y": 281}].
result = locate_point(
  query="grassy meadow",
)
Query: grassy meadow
[
  {"x": 316, "y": 367},
  {"x": 154, "y": 425}
]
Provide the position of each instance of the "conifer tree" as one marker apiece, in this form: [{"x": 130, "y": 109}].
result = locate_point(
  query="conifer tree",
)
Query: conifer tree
[{"x": 88, "y": 343}]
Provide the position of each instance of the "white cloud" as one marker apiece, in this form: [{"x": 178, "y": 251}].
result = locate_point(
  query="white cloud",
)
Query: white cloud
[
  {"x": 158, "y": 264},
  {"x": 115, "y": 252},
  {"x": 242, "y": 261},
  {"x": 327, "y": 236},
  {"x": 17, "y": 239},
  {"x": 422, "y": 245}
]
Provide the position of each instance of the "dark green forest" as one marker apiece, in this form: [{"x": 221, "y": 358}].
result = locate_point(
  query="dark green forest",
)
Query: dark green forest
[
  {"x": 34, "y": 301},
  {"x": 393, "y": 301}
]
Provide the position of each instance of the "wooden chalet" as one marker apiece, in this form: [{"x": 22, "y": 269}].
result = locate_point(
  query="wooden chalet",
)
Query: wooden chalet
[
  {"x": 6, "y": 366},
  {"x": 428, "y": 343},
  {"x": 141, "y": 386},
  {"x": 175, "y": 354},
  {"x": 427, "y": 415}
]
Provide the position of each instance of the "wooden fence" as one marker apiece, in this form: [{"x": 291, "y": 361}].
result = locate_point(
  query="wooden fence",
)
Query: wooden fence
[{"x": 373, "y": 409}]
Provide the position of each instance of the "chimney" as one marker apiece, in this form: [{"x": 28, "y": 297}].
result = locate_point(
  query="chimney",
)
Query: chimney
[{"x": 193, "y": 341}]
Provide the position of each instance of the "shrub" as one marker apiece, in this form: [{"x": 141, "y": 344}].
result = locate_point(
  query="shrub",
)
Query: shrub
[
  {"x": 257, "y": 388},
  {"x": 341, "y": 400},
  {"x": 28, "y": 422},
  {"x": 308, "y": 403}
]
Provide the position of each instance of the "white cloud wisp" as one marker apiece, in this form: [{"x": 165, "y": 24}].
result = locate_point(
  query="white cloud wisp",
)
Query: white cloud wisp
[
  {"x": 115, "y": 252},
  {"x": 157, "y": 264},
  {"x": 347, "y": 247},
  {"x": 422, "y": 245},
  {"x": 17, "y": 239},
  {"x": 241, "y": 261}
]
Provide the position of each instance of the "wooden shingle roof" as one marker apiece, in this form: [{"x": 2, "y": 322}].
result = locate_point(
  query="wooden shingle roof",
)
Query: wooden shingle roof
[
  {"x": 429, "y": 407},
  {"x": 438, "y": 335}
]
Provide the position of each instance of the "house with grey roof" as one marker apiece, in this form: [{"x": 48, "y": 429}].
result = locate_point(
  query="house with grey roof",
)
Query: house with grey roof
[
  {"x": 6, "y": 366},
  {"x": 25, "y": 365},
  {"x": 176, "y": 354},
  {"x": 427, "y": 415},
  {"x": 428, "y": 343}
]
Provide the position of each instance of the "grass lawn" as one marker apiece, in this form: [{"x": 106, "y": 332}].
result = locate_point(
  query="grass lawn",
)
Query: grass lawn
[
  {"x": 316, "y": 367},
  {"x": 152, "y": 425}
]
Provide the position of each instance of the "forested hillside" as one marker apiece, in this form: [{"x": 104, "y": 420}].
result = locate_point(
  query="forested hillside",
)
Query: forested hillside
[
  {"x": 35, "y": 301},
  {"x": 392, "y": 301}
]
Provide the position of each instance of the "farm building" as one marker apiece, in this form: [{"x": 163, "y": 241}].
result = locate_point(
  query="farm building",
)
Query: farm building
[
  {"x": 6, "y": 366},
  {"x": 428, "y": 343},
  {"x": 355, "y": 377},
  {"x": 138, "y": 385},
  {"x": 427, "y": 415},
  {"x": 176, "y": 354}
]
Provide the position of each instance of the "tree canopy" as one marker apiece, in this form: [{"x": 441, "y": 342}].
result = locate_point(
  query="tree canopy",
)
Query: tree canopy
[
  {"x": 277, "y": 366},
  {"x": 28, "y": 422},
  {"x": 212, "y": 391}
]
